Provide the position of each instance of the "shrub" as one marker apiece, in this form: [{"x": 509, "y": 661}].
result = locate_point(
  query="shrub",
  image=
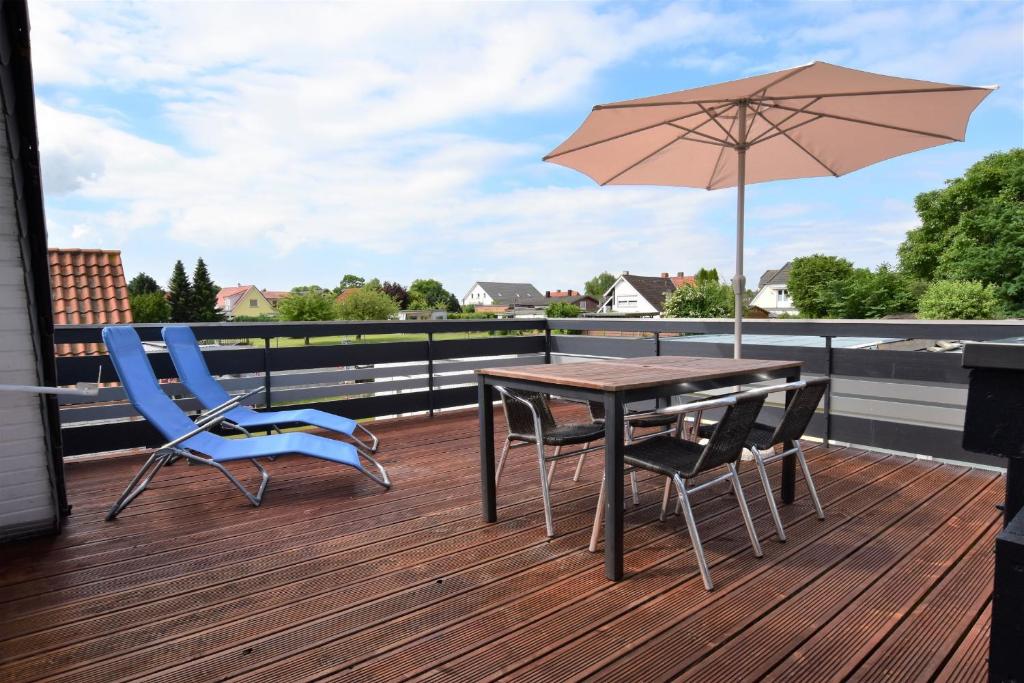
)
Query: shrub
[
  {"x": 707, "y": 299},
  {"x": 561, "y": 309},
  {"x": 960, "y": 300},
  {"x": 367, "y": 303}
]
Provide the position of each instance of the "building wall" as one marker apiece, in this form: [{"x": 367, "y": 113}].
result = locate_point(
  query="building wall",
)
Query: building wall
[
  {"x": 246, "y": 307},
  {"x": 774, "y": 299},
  {"x": 625, "y": 299},
  {"x": 28, "y": 502},
  {"x": 477, "y": 297}
]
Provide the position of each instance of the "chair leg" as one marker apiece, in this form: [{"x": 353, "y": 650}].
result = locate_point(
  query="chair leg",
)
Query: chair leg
[
  {"x": 665, "y": 498},
  {"x": 548, "y": 523},
  {"x": 579, "y": 463},
  {"x": 763, "y": 474},
  {"x": 810, "y": 482},
  {"x": 256, "y": 498},
  {"x": 634, "y": 488},
  {"x": 501, "y": 461},
  {"x": 551, "y": 467},
  {"x": 153, "y": 463},
  {"x": 691, "y": 526},
  {"x": 595, "y": 532},
  {"x": 745, "y": 511}
]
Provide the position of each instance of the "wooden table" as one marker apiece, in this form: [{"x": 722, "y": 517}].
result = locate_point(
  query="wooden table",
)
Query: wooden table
[{"x": 616, "y": 383}]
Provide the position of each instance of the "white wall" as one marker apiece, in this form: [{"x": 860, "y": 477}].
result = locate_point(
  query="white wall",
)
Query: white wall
[
  {"x": 774, "y": 298},
  {"x": 625, "y": 299},
  {"x": 27, "y": 499},
  {"x": 477, "y": 297}
]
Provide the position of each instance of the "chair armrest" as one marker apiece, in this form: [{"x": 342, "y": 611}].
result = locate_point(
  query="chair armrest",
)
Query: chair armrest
[
  {"x": 224, "y": 407},
  {"x": 696, "y": 406}
]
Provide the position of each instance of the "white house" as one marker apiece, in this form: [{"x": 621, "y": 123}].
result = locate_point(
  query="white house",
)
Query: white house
[
  {"x": 773, "y": 292},
  {"x": 641, "y": 294},
  {"x": 507, "y": 293}
]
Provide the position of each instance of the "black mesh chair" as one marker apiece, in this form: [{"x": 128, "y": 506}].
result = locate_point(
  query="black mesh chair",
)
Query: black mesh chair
[
  {"x": 681, "y": 460},
  {"x": 764, "y": 438},
  {"x": 634, "y": 420},
  {"x": 530, "y": 421}
]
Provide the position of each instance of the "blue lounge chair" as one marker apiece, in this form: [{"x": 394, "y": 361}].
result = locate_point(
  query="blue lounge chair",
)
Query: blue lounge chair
[
  {"x": 193, "y": 442},
  {"x": 195, "y": 375}
]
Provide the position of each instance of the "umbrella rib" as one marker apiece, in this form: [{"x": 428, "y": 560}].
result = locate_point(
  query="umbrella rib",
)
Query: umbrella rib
[
  {"x": 771, "y": 136},
  {"x": 793, "y": 72},
  {"x": 640, "y": 161},
  {"x": 767, "y": 135},
  {"x": 711, "y": 139},
  {"x": 621, "y": 135},
  {"x": 714, "y": 117},
  {"x": 801, "y": 147},
  {"x": 718, "y": 161},
  {"x": 872, "y": 123}
]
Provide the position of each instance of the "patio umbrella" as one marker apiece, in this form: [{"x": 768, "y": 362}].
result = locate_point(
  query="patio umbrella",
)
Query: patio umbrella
[{"x": 813, "y": 120}]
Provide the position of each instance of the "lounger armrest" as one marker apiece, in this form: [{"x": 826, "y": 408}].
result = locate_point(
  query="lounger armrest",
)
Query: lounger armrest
[{"x": 224, "y": 407}]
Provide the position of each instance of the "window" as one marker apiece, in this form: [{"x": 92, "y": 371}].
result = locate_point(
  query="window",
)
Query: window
[{"x": 253, "y": 303}]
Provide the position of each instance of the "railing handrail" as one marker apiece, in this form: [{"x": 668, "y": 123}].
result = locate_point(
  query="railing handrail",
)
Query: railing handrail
[{"x": 975, "y": 330}]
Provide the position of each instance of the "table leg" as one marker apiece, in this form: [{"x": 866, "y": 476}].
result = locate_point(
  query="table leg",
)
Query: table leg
[
  {"x": 614, "y": 495},
  {"x": 789, "y": 462},
  {"x": 488, "y": 494}
]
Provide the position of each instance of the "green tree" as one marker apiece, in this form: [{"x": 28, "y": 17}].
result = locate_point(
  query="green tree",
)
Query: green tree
[
  {"x": 867, "y": 294},
  {"x": 204, "y": 296},
  {"x": 973, "y": 229},
  {"x": 150, "y": 307},
  {"x": 708, "y": 298},
  {"x": 562, "y": 309},
  {"x": 599, "y": 284},
  {"x": 816, "y": 282},
  {"x": 348, "y": 281},
  {"x": 308, "y": 303},
  {"x": 705, "y": 275},
  {"x": 142, "y": 284},
  {"x": 367, "y": 304},
  {"x": 179, "y": 295},
  {"x": 429, "y": 293},
  {"x": 960, "y": 300}
]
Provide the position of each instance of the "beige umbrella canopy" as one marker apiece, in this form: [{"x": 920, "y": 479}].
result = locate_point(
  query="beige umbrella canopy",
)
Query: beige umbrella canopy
[{"x": 813, "y": 120}]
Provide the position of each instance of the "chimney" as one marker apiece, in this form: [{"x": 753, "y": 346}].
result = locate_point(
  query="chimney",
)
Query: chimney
[
  {"x": 679, "y": 274},
  {"x": 625, "y": 272},
  {"x": 547, "y": 294},
  {"x": 664, "y": 275}
]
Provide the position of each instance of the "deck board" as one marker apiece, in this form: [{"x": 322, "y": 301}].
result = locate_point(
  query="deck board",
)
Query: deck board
[{"x": 334, "y": 579}]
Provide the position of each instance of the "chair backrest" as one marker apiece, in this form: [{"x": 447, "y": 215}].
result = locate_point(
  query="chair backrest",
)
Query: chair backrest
[
  {"x": 143, "y": 389},
  {"x": 731, "y": 432},
  {"x": 596, "y": 410},
  {"x": 800, "y": 411},
  {"x": 191, "y": 366},
  {"x": 519, "y": 418}
]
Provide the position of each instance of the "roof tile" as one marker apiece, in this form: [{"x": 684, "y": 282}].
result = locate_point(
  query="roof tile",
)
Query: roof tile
[{"x": 88, "y": 288}]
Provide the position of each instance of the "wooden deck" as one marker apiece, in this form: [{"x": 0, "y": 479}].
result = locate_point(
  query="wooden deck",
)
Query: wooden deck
[{"x": 332, "y": 578}]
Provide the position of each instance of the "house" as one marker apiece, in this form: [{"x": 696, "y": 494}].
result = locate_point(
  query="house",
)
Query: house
[
  {"x": 274, "y": 297},
  {"x": 87, "y": 287},
  {"x": 245, "y": 301},
  {"x": 641, "y": 294},
  {"x": 422, "y": 314},
  {"x": 773, "y": 292},
  {"x": 495, "y": 293},
  {"x": 32, "y": 498},
  {"x": 585, "y": 302},
  {"x": 345, "y": 293}
]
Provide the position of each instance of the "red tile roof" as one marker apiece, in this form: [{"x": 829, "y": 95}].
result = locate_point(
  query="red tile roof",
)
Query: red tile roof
[
  {"x": 228, "y": 296},
  {"x": 345, "y": 293},
  {"x": 680, "y": 280},
  {"x": 274, "y": 296},
  {"x": 88, "y": 288}
]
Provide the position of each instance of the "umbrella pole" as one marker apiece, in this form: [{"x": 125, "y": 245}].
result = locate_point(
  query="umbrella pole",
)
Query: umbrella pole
[{"x": 738, "y": 281}]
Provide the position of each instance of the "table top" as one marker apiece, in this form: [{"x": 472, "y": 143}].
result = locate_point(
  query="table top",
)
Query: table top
[{"x": 637, "y": 373}]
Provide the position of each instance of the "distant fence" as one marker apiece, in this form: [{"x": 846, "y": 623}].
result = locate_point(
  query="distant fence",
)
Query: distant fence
[{"x": 897, "y": 400}]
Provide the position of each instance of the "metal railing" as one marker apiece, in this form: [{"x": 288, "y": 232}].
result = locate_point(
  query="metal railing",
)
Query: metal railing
[{"x": 894, "y": 400}]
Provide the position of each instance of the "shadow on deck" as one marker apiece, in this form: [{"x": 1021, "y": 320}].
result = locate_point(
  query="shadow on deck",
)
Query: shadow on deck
[{"x": 334, "y": 578}]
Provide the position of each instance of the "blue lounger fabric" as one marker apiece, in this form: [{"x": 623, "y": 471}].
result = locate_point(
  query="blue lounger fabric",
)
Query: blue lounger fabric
[
  {"x": 144, "y": 392},
  {"x": 195, "y": 375}
]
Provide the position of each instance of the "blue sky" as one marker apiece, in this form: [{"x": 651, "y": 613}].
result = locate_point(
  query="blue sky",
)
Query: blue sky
[{"x": 291, "y": 143}]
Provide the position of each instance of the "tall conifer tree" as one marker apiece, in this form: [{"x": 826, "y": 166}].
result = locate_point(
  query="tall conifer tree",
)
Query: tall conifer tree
[
  {"x": 204, "y": 295},
  {"x": 179, "y": 295}
]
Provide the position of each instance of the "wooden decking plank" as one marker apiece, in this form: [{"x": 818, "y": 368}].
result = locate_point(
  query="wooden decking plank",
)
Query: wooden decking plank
[
  {"x": 844, "y": 607},
  {"x": 691, "y": 623},
  {"x": 969, "y": 662},
  {"x": 465, "y": 625},
  {"x": 556, "y": 559},
  {"x": 918, "y": 647},
  {"x": 638, "y": 605}
]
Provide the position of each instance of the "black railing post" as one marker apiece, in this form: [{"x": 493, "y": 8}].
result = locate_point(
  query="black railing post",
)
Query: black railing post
[
  {"x": 828, "y": 392},
  {"x": 430, "y": 373},
  {"x": 266, "y": 372},
  {"x": 657, "y": 343},
  {"x": 547, "y": 342}
]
